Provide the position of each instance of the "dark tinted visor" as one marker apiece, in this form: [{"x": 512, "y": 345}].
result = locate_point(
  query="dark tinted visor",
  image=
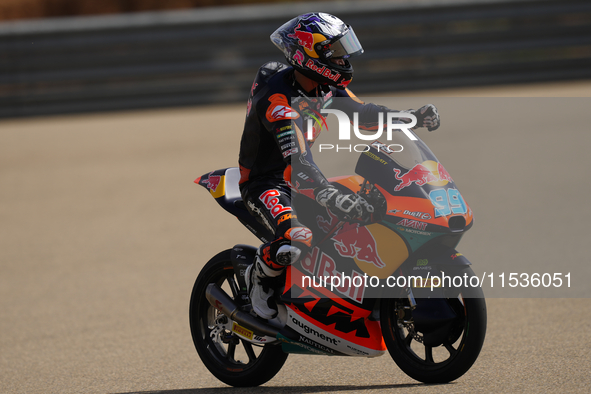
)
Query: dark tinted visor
[{"x": 346, "y": 46}]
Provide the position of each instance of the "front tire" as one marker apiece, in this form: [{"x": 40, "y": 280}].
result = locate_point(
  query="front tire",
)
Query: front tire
[
  {"x": 452, "y": 353},
  {"x": 232, "y": 360}
]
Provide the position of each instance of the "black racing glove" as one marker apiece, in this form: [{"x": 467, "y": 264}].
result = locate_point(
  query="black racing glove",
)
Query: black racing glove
[
  {"x": 427, "y": 116},
  {"x": 347, "y": 207}
]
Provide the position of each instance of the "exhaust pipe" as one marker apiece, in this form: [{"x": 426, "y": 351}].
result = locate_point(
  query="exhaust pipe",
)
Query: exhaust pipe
[{"x": 220, "y": 300}]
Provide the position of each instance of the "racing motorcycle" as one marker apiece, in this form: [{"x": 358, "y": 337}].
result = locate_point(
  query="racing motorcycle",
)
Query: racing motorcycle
[{"x": 353, "y": 294}]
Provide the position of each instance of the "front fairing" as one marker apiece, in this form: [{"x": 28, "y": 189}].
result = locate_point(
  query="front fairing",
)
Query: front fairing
[
  {"x": 424, "y": 213},
  {"x": 424, "y": 218},
  {"x": 420, "y": 194}
]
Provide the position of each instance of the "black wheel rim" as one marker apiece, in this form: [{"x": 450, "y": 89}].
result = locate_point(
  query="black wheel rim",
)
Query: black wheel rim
[
  {"x": 222, "y": 345},
  {"x": 411, "y": 342}
]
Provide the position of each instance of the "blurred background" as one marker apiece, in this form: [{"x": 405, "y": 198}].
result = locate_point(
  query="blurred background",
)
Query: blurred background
[
  {"x": 110, "y": 109},
  {"x": 73, "y": 56}
]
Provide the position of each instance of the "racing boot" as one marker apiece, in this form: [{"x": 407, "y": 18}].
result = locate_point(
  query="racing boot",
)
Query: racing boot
[{"x": 259, "y": 280}]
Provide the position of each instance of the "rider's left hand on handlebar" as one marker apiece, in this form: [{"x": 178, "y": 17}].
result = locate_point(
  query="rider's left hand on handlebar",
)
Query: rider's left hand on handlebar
[{"x": 427, "y": 116}]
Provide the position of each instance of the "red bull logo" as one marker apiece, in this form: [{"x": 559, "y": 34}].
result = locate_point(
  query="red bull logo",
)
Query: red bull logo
[
  {"x": 421, "y": 174},
  {"x": 212, "y": 182},
  {"x": 443, "y": 174},
  {"x": 352, "y": 240},
  {"x": 299, "y": 57},
  {"x": 304, "y": 38},
  {"x": 323, "y": 266},
  {"x": 252, "y": 89},
  {"x": 325, "y": 72},
  {"x": 355, "y": 241},
  {"x": 271, "y": 200}
]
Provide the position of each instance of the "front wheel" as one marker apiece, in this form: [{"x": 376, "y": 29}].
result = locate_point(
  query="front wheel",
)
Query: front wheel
[
  {"x": 229, "y": 358},
  {"x": 439, "y": 340}
]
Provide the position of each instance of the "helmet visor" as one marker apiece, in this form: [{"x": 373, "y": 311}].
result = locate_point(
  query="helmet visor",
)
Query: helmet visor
[{"x": 346, "y": 46}]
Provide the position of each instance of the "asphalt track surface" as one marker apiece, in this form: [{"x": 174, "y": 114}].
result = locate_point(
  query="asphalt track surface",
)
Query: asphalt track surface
[{"x": 102, "y": 234}]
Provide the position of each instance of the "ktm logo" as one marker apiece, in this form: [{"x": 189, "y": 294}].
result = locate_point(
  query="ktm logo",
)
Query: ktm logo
[
  {"x": 284, "y": 218},
  {"x": 330, "y": 313}
]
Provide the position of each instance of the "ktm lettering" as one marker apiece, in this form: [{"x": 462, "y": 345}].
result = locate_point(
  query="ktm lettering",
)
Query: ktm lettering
[
  {"x": 284, "y": 218},
  {"x": 332, "y": 314}
]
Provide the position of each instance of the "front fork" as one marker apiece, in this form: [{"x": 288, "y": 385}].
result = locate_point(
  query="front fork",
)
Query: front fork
[{"x": 404, "y": 312}]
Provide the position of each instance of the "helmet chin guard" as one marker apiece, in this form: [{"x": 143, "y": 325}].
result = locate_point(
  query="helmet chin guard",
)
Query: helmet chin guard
[{"x": 312, "y": 44}]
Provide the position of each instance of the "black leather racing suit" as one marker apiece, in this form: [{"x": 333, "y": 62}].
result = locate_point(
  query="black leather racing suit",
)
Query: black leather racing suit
[{"x": 273, "y": 145}]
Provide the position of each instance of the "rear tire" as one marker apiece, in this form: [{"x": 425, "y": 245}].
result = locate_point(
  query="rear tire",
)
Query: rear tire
[
  {"x": 460, "y": 344},
  {"x": 232, "y": 360}
]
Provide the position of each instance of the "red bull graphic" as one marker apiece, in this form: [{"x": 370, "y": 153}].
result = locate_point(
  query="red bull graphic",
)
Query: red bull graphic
[
  {"x": 419, "y": 174},
  {"x": 325, "y": 72},
  {"x": 323, "y": 224},
  {"x": 304, "y": 38},
  {"x": 269, "y": 198},
  {"x": 352, "y": 240},
  {"x": 422, "y": 174},
  {"x": 344, "y": 83},
  {"x": 299, "y": 57},
  {"x": 252, "y": 89},
  {"x": 248, "y": 106},
  {"x": 212, "y": 182},
  {"x": 443, "y": 174},
  {"x": 323, "y": 267}
]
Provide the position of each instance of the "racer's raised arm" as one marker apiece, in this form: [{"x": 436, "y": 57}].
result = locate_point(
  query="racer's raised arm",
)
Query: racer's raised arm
[{"x": 427, "y": 116}]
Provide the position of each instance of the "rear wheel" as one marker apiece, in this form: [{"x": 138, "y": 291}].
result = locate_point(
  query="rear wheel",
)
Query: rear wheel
[
  {"x": 229, "y": 358},
  {"x": 439, "y": 340}
]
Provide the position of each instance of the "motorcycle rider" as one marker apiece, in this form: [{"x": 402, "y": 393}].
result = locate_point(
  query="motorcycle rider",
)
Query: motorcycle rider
[{"x": 318, "y": 47}]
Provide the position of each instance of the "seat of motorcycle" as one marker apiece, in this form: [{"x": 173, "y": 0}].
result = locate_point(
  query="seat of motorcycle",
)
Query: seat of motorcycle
[{"x": 231, "y": 201}]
